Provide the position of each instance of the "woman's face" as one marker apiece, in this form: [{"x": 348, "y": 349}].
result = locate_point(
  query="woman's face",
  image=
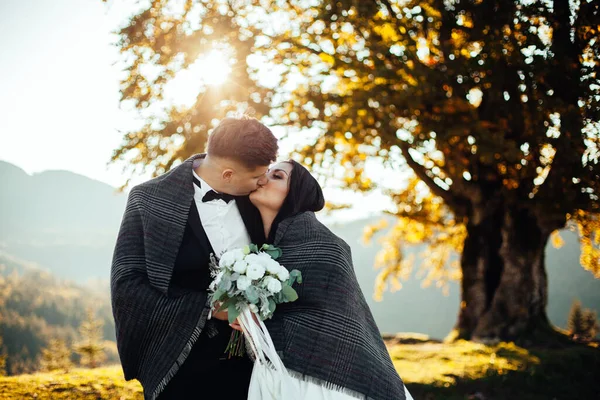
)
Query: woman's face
[{"x": 273, "y": 193}]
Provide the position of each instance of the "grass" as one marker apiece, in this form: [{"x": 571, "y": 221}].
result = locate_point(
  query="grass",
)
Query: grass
[
  {"x": 431, "y": 370},
  {"x": 79, "y": 383},
  {"x": 473, "y": 371}
]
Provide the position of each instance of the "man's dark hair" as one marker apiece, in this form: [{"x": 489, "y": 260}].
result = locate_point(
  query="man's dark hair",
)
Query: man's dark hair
[{"x": 245, "y": 140}]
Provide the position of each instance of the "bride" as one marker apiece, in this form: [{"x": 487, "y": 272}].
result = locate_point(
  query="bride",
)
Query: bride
[{"x": 327, "y": 338}]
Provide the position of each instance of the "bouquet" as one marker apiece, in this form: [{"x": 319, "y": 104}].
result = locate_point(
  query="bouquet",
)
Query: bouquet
[{"x": 250, "y": 282}]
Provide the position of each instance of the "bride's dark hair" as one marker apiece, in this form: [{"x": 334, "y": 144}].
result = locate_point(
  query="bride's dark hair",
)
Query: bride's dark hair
[{"x": 305, "y": 194}]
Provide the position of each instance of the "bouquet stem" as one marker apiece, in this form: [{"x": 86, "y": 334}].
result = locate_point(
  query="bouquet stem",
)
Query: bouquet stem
[{"x": 235, "y": 347}]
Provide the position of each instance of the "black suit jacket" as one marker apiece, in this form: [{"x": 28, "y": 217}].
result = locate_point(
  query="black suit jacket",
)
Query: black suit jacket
[
  {"x": 207, "y": 361},
  {"x": 191, "y": 270}
]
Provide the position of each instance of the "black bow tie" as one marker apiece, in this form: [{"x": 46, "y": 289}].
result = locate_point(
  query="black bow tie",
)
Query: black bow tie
[{"x": 212, "y": 195}]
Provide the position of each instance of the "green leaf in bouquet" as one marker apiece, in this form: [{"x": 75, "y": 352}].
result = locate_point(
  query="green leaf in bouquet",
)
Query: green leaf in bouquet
[
  {"x": 289, "y": 293},
  {"x": 246, "y": 250},
  {"x": 278, "y": 297},
  {"x": 226, "y": 303},
  {"x": 272, "y": 251},
  {"x": 275, "y": 253},
  {"x": 295, "y": 276},
  {"x": 252, "y": 294},
  {"x": 272, "y": 305},
  {"x": 225, "y": 283},
  {"x": 217, "y": 295},
  {"x": 232, "y": 313},
  {"x": 253, "y": 248}
]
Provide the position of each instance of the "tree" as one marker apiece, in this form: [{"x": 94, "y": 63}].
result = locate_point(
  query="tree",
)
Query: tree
[
  {"x": 91, "y": 345},
  {"x": 489, "y": 107},
  {"x": 2, "y": 358},
  {"x": 57, "y": 356},
  {"x": 158, "y": 43},
  {"x": 583, "y": 323}
]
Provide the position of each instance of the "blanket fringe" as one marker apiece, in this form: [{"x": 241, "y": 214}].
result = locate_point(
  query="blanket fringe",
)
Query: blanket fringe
[{"x": 183, "y": 355}]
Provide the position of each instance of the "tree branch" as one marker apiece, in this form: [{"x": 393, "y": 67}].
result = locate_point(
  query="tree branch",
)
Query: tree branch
[{"x": 421, "y": 172}]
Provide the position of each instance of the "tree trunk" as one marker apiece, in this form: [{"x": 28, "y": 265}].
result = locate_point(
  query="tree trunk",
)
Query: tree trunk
[{"x": 504, "y": 286}]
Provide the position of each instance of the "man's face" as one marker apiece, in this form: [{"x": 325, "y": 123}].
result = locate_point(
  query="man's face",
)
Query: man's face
[{"x": 244, "y": 181}]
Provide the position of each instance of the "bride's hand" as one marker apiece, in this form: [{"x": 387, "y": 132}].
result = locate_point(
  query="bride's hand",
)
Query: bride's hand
[
  {"x": 221, "y": 315},
  {"x": 236, "y": 325}
]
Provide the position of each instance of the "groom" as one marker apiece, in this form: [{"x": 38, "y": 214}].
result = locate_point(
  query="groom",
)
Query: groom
[{"x": 160, "y": 275}]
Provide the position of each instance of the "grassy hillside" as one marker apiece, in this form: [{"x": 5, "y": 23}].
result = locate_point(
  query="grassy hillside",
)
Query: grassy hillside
[
  {"x": 466, "y": 370},
  {"x": 431, "y": 370},
  {"x": 79, "y": 384}
]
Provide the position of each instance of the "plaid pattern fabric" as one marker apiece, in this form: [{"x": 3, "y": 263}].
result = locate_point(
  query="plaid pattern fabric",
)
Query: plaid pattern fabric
[
  {"x": 155, "y": 329},
  {"x": 329, "y": 335}
]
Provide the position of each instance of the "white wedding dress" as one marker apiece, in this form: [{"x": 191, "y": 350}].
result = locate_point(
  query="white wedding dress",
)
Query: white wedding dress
[
  {"x": 270, "y": 378},
  {"x": 307, "y": 390}
]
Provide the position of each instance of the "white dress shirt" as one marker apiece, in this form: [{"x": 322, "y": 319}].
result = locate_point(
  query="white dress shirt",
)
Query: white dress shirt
[{"x": 221, "y": 221}]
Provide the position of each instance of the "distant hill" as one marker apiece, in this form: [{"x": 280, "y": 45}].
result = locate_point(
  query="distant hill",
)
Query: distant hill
[
  {"x": 35, "y": 307},
  {"x": 68, "y": 224},
  {"x": 63, "y": 221}
]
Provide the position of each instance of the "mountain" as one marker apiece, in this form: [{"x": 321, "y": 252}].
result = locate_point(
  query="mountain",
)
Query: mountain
[
  {"x": 60, "y": 220},
  {"x": 68, "y": 224}
]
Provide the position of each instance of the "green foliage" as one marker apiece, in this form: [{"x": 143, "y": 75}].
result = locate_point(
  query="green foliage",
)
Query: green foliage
[
  {"x": 57, "y": 356},
  {"x": 274, "y": 252},
  {"x": 582, "y": 323},
  {"x": 2, "y": 358},
  {"x": 35, "y": 308},
  {"x": 295, "y": 276},
  {"x": 289, "y": 293},
  {"x": 232, "y": 313},
  {"x": 90, "y": 345}
]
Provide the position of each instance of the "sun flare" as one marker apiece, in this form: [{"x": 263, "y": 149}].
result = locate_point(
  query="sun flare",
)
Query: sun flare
[{"x": 212, "y": 69}]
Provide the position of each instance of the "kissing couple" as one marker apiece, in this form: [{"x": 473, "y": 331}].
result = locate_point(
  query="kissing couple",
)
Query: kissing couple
[{"x": 227, "y": 198}]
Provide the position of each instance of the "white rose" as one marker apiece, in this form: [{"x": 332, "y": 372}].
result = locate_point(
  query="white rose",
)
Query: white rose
[
  {"x": 255, "y": 271},
  {"x": 240, "y": 267},
  {"x": 227, "y": 260},
  {"x": 264, "y": 258},
  {"x": 283, "y": 274},
  {"x": 272, "y": 266},
  {"x": 272, "y": 284},
  {"x": 238, "y": 254},
  {"x": 243, "y": 282},
  {"x": 253, "y": 259}
]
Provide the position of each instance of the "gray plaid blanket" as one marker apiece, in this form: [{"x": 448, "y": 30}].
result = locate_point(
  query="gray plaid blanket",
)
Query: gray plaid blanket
[
  {"x": 328, "y": 335},
  {"x": 155, "y": 329}
]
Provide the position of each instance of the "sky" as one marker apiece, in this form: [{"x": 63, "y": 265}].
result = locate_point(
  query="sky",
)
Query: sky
[
  {"x": 59, "y": 90},
  {"x": 59, "y": 95}
]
